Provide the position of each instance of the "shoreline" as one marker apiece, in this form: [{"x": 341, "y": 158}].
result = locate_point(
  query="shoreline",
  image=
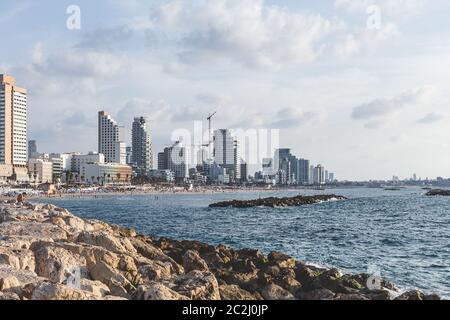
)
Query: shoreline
[{"x": 40, "y": 244}]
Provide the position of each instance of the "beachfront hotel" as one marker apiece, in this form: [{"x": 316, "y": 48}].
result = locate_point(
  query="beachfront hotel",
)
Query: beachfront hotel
[
  {"x": 111, "y": 139},
  {"x": 13, "y": 129}
]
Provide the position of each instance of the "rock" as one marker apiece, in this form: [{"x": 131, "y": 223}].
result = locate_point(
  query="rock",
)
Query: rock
[
  {"x": 243, "y": 266},
  {"x": 196, "y": 285},
  {"x": 107, "y": 241},
  {"x": 97, "y": 288},
  {"x": 9, "y": 282},
  {"x": 233, "y": 292},
  {"x": 158, "y": 291},
  {"x": 40, "y": 231},
  {"x": 438, "y": 192},
  {"x": 317, "y": 294},
  {"x": 380, "y": 295},
  {"x": 54, "y": 291},
  {"x": 281, "y": 260},
  {"x": 156, "y": 270},
  {"x": 22, "y": 259},
  {"x": 417, "y": 295},
  {"x": 351, "y": 297},
  {"x": 8, "y": 296},
  {"x": 193, "y": 261},
  {"x": 57, "y": 264},
  {"x": 277, "y": 202},
  {"x": 275, "y": 292},
  {"x": 24, "y": 277}
]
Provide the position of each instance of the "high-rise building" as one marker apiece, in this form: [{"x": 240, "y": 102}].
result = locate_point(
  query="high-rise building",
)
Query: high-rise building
[
  {"x": 175, "y": 159},
  {"x": 224, "y": 148},
  {"x": 32, "y": 149},
  {"x": 111, "y": 139},
  {"x": 331, "y": 177},
  {"x": 244, "y": 171},
  {"x": 142, "y": 156},
  {"x": 129, "y": 152},
  {"x": 303, "y": 171},
  {"x": 13, "y": 127},
  {"x": 319, "y": 175},
  {"x": 227, "y": 153},
  {"x": 286, "y": 166}
]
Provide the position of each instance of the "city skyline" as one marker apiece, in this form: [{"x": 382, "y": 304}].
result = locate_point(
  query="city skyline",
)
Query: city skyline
[{"x": 343, "y": 95}]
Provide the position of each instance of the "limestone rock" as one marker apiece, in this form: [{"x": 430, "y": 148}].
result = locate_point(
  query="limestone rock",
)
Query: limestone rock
[
  {"x": 40, "y": 231},
  {"x": 158, "y": 291},
  {"x": 54, "y": 291},
  {"x": 58, "y": 264},
  {"x": 193, "y": 261},
  {"x": 196, "y": 285},
  {"x": 234, "y": 292},
  {"x": 275, "y": 292},
  {"x": 107, "y": 241}
]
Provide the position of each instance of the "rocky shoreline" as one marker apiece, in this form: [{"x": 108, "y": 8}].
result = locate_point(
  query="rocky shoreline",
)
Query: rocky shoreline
[
  {"x": 47, "y": 253},
  {"x": 438, "y": 192},
  {"x": 274, "y": 202}
]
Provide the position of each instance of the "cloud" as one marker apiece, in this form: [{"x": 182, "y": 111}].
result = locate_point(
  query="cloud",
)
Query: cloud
[
  {"x": 105, "y": 39},
  {"x": 393, "y": 8},
  {"x": 383, "y": 107},
  {"x": 157, "y": 111},
  {"x": 14, "y": 11},
  {"x": 77, "y": 62},
  {"x": 431, "y": 118},
  {"x": 213, "y": 99},
  {"x": 292, "y": 118},
  {"x": 246, "y": 31}
]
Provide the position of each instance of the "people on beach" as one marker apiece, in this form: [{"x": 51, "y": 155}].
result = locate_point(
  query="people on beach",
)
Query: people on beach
[{"x": 21, "y": 198}]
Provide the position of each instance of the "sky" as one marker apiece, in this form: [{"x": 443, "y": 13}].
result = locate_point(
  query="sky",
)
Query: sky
[{"x": 360, "y": 86}]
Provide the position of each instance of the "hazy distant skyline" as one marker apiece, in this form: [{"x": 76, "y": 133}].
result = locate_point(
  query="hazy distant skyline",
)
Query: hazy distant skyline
[{"x": 366, "y": 103}]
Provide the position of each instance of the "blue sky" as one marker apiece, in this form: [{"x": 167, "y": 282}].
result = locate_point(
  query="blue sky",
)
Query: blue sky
[{"x": 365, "y": 102}]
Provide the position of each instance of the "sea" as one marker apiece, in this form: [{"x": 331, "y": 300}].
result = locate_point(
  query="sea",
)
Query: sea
[{"x": 403, "y": 234}]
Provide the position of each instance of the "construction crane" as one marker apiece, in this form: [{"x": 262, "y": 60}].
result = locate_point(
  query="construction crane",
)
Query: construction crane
[{"x": 209, "y": 128}]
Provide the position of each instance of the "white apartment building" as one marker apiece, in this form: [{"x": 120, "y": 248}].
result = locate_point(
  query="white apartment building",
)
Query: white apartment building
[
  {"x": 79, "y": 160},
  {"x": 40, "y": 171},
  {"x": 111, "y": 139},
  {"x": 105, "y": 173}
]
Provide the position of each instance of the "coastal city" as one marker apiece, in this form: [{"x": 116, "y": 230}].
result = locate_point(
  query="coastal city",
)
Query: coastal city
[{"x": 115, "y": 163}]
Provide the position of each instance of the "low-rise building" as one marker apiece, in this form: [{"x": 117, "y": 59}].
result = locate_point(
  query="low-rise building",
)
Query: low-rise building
[
  {"x": 105, "y": 173},
  {"x": 40, "y": 171},
  {"x": 79, "y": 160},
  {"x": 166, "y": 176}
]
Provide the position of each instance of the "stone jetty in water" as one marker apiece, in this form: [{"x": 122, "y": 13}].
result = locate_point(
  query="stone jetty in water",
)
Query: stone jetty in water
[
  {"x": 438, "y": 192},
  {"x": 47, "y": 253},
  {"x": 274, "y": 202}
]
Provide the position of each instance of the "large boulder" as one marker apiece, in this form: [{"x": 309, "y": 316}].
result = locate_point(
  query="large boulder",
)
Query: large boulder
[
  {"x": 193, "y": 261},
  {"x": 281, "y": 260},
  {"x": 233, "y": 292},
  {"x": 275, "y": 292},
  {"x": 54, "y": 291},
  {"x": 40, "y": 231},
  {"x": 58, "y": 265},
  {"x": 107, "y": 241},
  {"x": 158, "y": 291},
  {"x": 22, "y": 259},
  {"x": 416, "y": 295},
  {"x": 196, "y": 285}
]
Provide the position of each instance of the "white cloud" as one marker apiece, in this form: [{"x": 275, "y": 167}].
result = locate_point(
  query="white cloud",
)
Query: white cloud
[
  {"x": 77, "y": 62},
  {"x": 397, "y": 8},
  {"x": 246, "y": 31}
]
